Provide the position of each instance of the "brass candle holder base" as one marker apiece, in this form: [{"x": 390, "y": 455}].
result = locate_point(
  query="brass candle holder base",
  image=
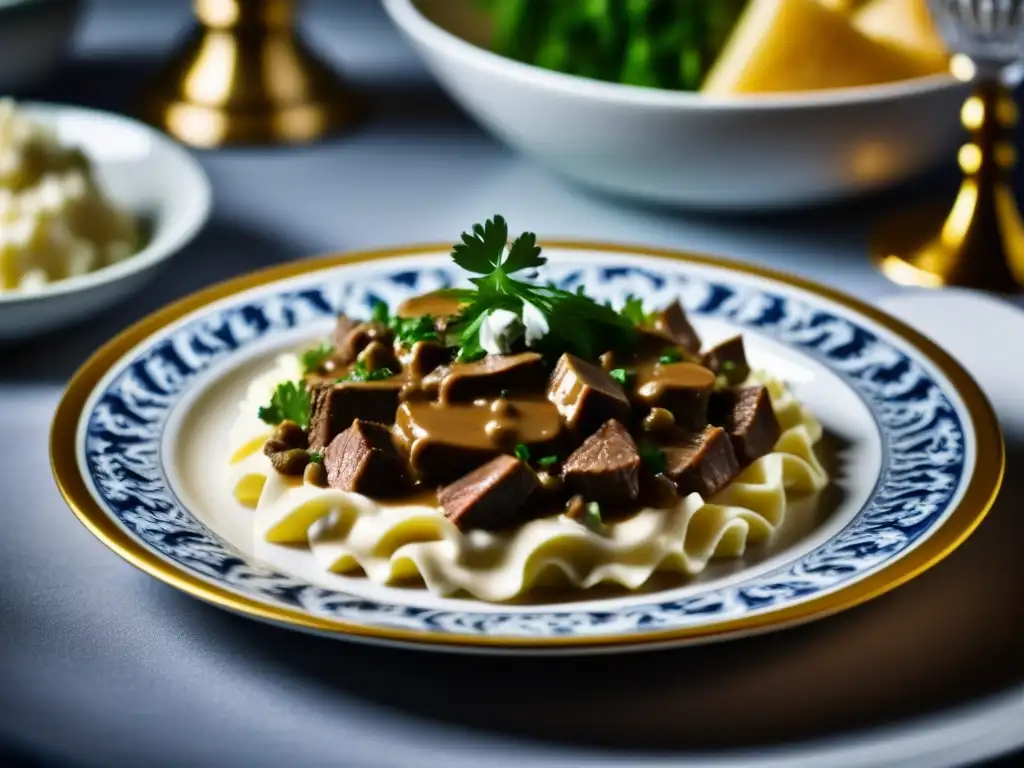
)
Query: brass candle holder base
[
  {"x": 246, "y": 77},
  {"x": 979, "y": 243}
]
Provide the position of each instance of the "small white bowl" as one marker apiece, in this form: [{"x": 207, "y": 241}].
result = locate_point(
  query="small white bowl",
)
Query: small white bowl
[
  {"x": 141, "y": 170},
  {"x": 762, "y": 152}
]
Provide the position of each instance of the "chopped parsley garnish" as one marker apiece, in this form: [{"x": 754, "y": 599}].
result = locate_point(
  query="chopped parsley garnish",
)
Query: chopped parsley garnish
[
  {"x": 576, "y": 323},
  {"x": 633, "y": 310},
  {"x": 359, "y": 372},
  {"x": 670, "y": 355},
  {"x": 547, "y": 461},
  {"x": 522, "y": 452},
  {"x": 290, "y": 402},
  {"x": 316, "y": 457},
  {"x": 652, "y": 457},
  {"x": 380, "y": 313},
  {"x": 727, "y": 366},
  {"x": 592, "y": 516},
  {"x": 407, "y": 330},
  {"x": 312, "y": 359},
  {"x": 619, "y": 374}
]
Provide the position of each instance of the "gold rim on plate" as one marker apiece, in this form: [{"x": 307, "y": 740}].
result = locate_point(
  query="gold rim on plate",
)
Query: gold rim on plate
[{"x": 974, "y": 505}]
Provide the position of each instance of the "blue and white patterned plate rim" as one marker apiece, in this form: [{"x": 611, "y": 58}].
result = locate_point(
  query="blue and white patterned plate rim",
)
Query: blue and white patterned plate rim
[{"x": 919, "y": 412}]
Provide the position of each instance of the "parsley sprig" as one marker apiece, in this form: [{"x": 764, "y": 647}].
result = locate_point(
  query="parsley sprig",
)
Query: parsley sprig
[
  {"x": 670, "y": 355},
  {"x": 313, "y": 358},
  {"x": 290, "y": 402},
  {"x": 522, "y": 452},
  {"x": 652, "y": 457},
  {"x": 407, "y": 330},
  {"x": 359, "y": 372},
  {"x": 577, "y": 324},
  {"x": 592, "y": 517},
  {"x": 633, "y": 310}
]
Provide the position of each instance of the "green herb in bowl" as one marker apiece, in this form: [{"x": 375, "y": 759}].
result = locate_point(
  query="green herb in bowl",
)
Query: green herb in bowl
[{"x": 657, "y": 43}]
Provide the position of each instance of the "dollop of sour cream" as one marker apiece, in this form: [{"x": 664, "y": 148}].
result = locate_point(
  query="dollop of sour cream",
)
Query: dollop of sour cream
[{"x": 502, "y": 328}]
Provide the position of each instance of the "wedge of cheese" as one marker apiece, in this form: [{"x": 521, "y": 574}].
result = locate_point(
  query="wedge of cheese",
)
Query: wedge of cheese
[
  {"x": 801, "y": 45},
  {"x": 903, "y": 23}
]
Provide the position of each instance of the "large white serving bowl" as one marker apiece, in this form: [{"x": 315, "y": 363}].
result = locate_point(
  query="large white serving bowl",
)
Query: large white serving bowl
[
  {"x": 761, "y": 152},
  {"x": 143, "y": 171}
]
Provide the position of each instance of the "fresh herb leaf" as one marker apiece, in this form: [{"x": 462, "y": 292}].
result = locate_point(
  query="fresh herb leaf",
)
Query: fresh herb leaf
[
  {"x": 727, "y": 366},
  {"x": 290, "y": 402},
  {"x": 619, "y": 374},
  {"x": 409, "y": 330},
  {"x": 312, "y": 359},
  {"x": 652, "y": 457},
  {"x": 592, "y": 516},
  {"x": 522, "y": 452},
  {"x": 523, "y": 254},
  {"x": 469, "y": 338},
  {"x": 359, "y": 372},
  {"x": 481, "y": 250},
  {"x": 653, "y": 43},
  {"x": 633, "y": 310},
  {"x": 547, "y": 461},
  {"x": 670, "y": 355},
  {"x": 316, "y": 457},
  {"x": 576, "y": 323},
  {"x": 380, "y": 313}
]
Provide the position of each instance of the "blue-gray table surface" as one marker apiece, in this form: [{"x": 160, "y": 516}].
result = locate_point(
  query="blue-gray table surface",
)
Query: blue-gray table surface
[{"x": 101, "y": 665}]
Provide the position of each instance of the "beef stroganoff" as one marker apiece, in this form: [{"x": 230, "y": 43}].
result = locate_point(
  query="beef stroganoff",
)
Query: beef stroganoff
[{"x": 513, "y": 435}]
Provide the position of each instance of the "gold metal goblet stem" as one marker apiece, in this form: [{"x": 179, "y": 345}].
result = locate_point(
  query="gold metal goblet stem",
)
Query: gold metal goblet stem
[
  {"x": 245, "y": 76},
  {"x": 980, "y": 242}
]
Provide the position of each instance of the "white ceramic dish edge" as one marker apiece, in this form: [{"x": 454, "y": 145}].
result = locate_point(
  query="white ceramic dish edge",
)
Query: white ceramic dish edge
[{"x": 184, "y": 205}]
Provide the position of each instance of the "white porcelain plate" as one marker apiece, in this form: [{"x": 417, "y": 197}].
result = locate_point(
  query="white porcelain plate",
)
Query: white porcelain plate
[{"x": 139, "y": 451}]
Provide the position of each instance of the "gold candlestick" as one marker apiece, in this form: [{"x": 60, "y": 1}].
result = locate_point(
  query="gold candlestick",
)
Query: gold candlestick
[
  {"x": 979, "y": 243},
  {"x": 245, "y": 76}
]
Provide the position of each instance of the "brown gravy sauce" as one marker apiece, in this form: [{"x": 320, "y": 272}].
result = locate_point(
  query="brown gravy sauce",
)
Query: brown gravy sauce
[
  {"x": 500, "y": 423},
  {"x": 484, "y": 424},
  {"x": 653, "y": 377},
  {"x": 433, "y": 304}
]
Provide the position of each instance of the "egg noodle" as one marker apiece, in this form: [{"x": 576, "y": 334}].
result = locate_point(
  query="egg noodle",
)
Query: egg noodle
[{"x": 398, "y": 543}]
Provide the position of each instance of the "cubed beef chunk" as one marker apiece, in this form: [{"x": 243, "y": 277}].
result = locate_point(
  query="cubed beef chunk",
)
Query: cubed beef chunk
[
  {"x": 336, "y": 406},
  {"x": 606, "y": 467},
  {"x": 683, "y": 389},
  {"x": 378, "y": 356},
  {"x": 446, "y": 441},
  {"x": 363, "y": 459},
  {"x": 702, "y": 462},
  {"x": 490, "y": 497},
  {"x": 424, "y": 357},
  {"x": 728, "y": 359},
  {"x": 585, "y": 395},
  {"x": 673, "y": 322},
  {"x": 491, "y": 375},
  {"x": 358, "y": 338},
  {"x": 747, "y": 415}
]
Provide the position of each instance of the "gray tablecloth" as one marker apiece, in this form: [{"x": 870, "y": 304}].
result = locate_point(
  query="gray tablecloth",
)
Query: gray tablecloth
[{"x": 99, "y": 664}]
